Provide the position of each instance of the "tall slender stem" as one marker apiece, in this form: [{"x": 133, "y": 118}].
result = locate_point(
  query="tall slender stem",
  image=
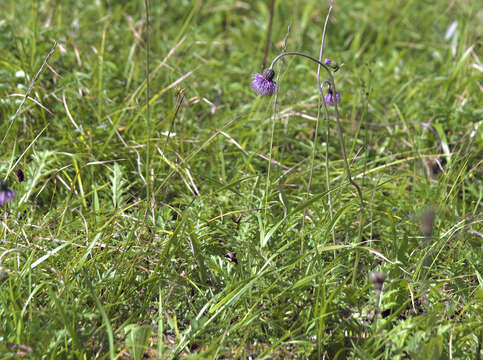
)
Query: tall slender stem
[
  {"x": 322, "y": 42},
  {"x": 341, "y": 141},
  {"x": 339, "y": 126},
  {"x": 148, "y": 119},
  {"x": 326, "y": 112},
  {"x": 312, "y": 160},
  {"x": 269, "y": 34}
]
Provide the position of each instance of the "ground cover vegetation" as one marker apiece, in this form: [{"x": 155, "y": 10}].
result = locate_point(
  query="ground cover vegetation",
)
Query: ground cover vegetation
[{"x": 175, "y": 213}]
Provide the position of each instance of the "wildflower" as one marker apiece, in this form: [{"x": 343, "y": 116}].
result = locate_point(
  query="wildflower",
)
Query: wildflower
[
  {"x": 330, "y": 99},
  {"x": 20, "y": 175},
  {"x": 232, "y": 257},
  {"x": 263, "y": 84},
  {"x": 331, "y": 64},
  {"x": 6, "y": 194}
]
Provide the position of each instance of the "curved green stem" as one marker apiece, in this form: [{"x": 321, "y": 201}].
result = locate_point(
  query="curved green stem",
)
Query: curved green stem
[
  {"x": 341, "y": 141},
  {"x": 339, "y": 126}
]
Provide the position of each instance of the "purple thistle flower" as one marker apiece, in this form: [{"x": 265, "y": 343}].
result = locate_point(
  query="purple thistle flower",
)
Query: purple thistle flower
[
  {"x": 263, "y": 84},
  {"x": 330, "y": 99},
  {"x": 6, "y": 194},
  {"x": 327, "y": 61}
]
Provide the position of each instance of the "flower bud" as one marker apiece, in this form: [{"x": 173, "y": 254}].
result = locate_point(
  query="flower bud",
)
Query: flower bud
[{"x": 377, "y": 278}]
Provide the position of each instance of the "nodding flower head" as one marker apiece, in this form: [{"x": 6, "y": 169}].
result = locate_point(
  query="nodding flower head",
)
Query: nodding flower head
[
  {"x": 6, "y": 194},
  {"x": 330, "y": 99},
  {"x": 264, "y": 84},
  {"x": 331, "y": 64}
]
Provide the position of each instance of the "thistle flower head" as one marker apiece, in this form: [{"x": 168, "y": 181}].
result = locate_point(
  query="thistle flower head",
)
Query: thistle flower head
[
  {"x": 327, "y": 61},
  {"x": 6, "y": 194},
  {"x": 264, "y": 84},
  {"x": 330, "y": 99}
]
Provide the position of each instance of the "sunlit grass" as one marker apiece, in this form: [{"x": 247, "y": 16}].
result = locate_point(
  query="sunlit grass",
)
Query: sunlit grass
[{"x": 213, "y": 267}]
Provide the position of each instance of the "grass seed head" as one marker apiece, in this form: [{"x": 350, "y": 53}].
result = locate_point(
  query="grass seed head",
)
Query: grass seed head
[{"x": 377, "y": 278}]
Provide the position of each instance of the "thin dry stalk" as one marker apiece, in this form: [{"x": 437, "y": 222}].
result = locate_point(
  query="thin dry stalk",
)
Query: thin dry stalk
[
  {"x": 36, "y": 77},
  {"x": 309, "y": 184},
  {"x": 269, "y": 34},
  {"x": 30, "y": 89},
  {"x": 148, "y": 119}
]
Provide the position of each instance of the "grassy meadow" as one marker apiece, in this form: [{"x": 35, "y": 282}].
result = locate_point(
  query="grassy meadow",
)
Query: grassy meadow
[{"x": 154, "y": 206}]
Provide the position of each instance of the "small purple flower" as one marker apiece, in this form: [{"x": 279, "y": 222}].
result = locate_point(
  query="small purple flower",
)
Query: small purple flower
[
  {"x": 6, "y": 194},
  {"x": 20, "y": 175},
  {"x": 331, "y": 64},
  {"x": 330, "y": 99},
  {"x": 263, "y": 84}
]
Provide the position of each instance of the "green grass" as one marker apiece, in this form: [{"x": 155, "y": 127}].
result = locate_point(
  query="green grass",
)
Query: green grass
[{"x": 91, "y": 267}]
